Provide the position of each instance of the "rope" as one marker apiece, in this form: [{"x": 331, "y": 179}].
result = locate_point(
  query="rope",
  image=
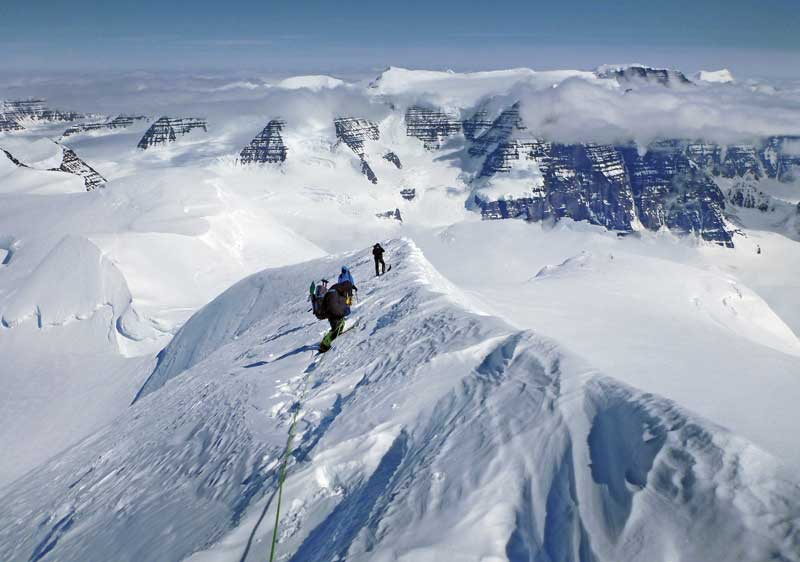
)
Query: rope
[{"x": 286, "y": 456}]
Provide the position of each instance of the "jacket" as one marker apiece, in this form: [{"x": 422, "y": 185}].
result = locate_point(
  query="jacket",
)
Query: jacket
[
  {"x": 334, "y": 302},
  {"x": 377, "y": 251},
  {"x": 345, "y": 275}
]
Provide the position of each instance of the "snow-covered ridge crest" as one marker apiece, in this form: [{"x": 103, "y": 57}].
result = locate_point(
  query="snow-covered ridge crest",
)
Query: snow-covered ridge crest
[
  {"x": 260, "y": 295},
  {"x": 427, "y": 432}
]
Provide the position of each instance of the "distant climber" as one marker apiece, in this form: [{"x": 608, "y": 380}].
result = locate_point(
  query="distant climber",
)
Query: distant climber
[
  {"x": 377, "y": 253},
  {"x": 346, "y": 276},
  {"x": 335, "y": 307}
]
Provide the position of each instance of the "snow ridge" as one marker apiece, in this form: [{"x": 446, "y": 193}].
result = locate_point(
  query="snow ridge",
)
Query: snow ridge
[{"x": 429, "y": 431}]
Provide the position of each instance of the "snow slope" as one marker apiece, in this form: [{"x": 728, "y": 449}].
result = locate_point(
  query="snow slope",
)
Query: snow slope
[{"x": 428, "y": 431}]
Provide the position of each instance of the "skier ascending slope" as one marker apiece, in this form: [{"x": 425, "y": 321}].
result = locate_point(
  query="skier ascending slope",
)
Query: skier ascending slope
[
  {"x": 377, "y": 253},
  {"x": 335, "y": 307}
]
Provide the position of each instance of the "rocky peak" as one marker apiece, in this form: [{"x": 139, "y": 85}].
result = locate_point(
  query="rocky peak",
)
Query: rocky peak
[
  {"x": 7, "y": 123},
  {"x": 394, "y": 159},
  {"x": 267, "y": 146},
  {"x": 476, "y": 124},
  {"x": 168, "y": 129},
  {"x": 431, "y": 126},
  {"x": 639, "y": 74},
  {"x": 72, "y": 164},
  {"x": 35, "y": 110},
  {"x": 118, "y": 122},
  {"x": 498, "y": 132},
  {"x": 354, "y": 132}
]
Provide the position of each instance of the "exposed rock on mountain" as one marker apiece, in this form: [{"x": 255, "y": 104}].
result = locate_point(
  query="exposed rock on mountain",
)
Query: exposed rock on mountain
[
  {"x": 7, "y": 123},
  {"x": 780, "y": 157},
  {"x": 119, "y": 122},
  {"x": 670, "y": 190},
  {"x": 168, "y": 129},
  {"x": 13, "y": 159},
  {"x": 394, "y": 159},
  {"x": 635, "y": 74},
  {"x": 35, "y": 110},
  {"x": 408, "y": 194},
  {"x": 267, "y": 146},
  {"x": 354, "y": 133},
  {"x": 476, "y": 124},
  {"x": 74, "y": 165},
  {"x": 391, "y": 215},
  {"x": 498, "y": 132},
  {"x": 367, "y": 171},
  {"x": 430, "y": 126},
  {"x": 745, "y": 194}
]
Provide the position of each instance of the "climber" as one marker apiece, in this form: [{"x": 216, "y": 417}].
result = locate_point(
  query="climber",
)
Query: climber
[
  {"x": 336, "y": 308},
  {"x": 377, "y": 253},
  {"x": 345, "y": 275}
]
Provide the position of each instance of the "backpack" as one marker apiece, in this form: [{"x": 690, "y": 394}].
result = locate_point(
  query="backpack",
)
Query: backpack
[{"x": 316, "y": 295}]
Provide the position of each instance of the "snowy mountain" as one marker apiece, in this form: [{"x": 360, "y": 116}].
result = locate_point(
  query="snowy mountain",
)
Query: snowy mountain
[
  {"x": 429, "y": 425},
  {"x": 611, "y": 377}
]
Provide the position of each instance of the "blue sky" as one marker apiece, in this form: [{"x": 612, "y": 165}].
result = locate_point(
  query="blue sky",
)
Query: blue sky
[{"x": 751, "y": 38}]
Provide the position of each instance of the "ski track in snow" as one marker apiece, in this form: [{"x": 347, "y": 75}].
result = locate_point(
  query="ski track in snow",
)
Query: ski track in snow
[{"x": 427, "y": 430}]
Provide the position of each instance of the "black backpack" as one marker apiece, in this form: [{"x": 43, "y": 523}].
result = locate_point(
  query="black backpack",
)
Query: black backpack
[{"x": 316, "y": 296}]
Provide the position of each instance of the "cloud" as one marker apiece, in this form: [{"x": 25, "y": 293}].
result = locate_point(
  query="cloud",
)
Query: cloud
[{"x": 580, "y": 110}]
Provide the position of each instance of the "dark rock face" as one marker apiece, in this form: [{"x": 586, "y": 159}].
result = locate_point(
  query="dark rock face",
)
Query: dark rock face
[
  {"x": 367, "y": 171},
  {"x": 644, "y": 74},
  {"x": 614, "y": 187},
  {"x": 477, "y": 124},
  {"x": 745, "y": 194},
  {"x": 13, "y": 159},
  {"x": 672, "y": 185},
  {"x": 583, "y": 182},
  {"x": 36, "y": 110},
  {"x": 408, "y": 194},
  {"x": 354, "y": 133},
  {"x": 72, "y": 164},
  {"x": 430, "y": 126},
  {"x": 168, "y": 129},
  {"x": 779, "y": 162},
  {"x": 9, "y": 124},
  {"x": 119, "y": 122},
  {"x": 267, "y": 147},
  {"x": 498, "y": 132},
  {"x": 670, "y": 190},
  {"x": 394, "y": 159},
  {"x": 391, "y": 215}
]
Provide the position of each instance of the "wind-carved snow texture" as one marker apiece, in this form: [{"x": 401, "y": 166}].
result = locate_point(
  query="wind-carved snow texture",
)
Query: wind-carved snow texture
[
  {"x": 354, "y": 133},
  {"x": 632, "y": 75},
  {"x": 35, "y": 110},
  {"x": 74, "y": 165},
  {"x": 457, "y": 437},
  {"x": 168, "y": 129},
  {"x": 431, "y": 126},
  {"x": 267, "y": 146},
  {"x": 119, "y": 122}
]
